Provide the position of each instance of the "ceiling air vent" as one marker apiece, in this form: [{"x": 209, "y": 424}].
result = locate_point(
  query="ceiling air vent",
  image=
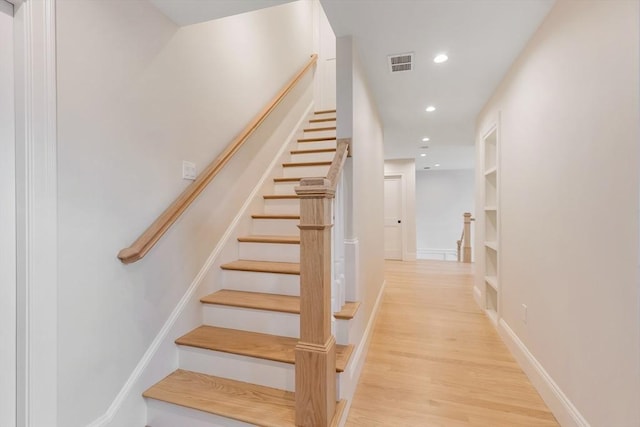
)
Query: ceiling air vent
[{"x": 401, "y": 62}]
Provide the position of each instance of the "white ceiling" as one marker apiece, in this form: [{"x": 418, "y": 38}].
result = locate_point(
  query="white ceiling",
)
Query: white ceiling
[
  {"x": 481, "y": 37},
  {"x": 186, "y": 12}
]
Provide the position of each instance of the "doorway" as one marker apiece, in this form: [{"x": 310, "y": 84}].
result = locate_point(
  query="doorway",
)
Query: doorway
[
  {"x": 7, "y": 221},
  {"x": 393, "y": 226}
]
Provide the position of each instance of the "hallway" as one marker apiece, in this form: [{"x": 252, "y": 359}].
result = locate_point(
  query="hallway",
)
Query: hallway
[{"x": 435, "y": 359}]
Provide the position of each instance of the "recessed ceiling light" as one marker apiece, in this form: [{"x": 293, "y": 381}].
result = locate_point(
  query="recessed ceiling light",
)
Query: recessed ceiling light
[
  {"x": 430, "y": 108},
  {"x": 437, "y": 164},
  {"x": 423, "y": 155},
  {"x": 425, "y": 139},
  {"x": 440, "y": 58},
  {"x": 425, "y": 146}
]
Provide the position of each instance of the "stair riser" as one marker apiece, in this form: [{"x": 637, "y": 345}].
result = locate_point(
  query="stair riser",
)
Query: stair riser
[
  {"x": 277, "y": 252},
  {"x": 248, "y": 319},
  {"x": 312, "y": 171},
  {"x": 288, "y": 227},
  {"x": 282, "y": 206},
  {"x": 316, "y": 145},
  {"x": 319, "y": 133},
  {"x": 161, "y": 414},
  {"x": 250, "y": 281},
  {"x": 240, "y": 368},
  {"x": 286, "y": 187},
  {"x": 313, "y": 157}
]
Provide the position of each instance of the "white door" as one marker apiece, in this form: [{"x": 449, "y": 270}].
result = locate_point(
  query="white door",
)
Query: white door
[
  {"x": 393, "y": 217},
  {"x": 7, "y": 222}
]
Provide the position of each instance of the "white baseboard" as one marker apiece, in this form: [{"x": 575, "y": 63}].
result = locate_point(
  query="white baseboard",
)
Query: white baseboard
[
  {"x": 562, "y": 408},
  {"x": 437, "y": 254},
  {"x": 350, "y": 377},
  {"x": 129, "y": 395}
]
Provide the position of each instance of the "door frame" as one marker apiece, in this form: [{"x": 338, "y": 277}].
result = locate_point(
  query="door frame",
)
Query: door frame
[
  {"x": 403, "y": 227},
  {"x": 36, "y": 218},
  {"x": 8, "y": 317}
]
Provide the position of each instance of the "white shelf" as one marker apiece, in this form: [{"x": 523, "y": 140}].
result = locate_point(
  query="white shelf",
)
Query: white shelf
[
  {"x": 490, "y": 171},
  {"x": 492, "y": 245},
  {"x": 492, "y": 281},
  {"x": 490, "y": 208}
]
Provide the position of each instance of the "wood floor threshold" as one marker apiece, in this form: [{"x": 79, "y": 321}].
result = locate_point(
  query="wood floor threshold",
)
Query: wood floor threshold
[
  {"x": 263, "y": 266},
  {"x": 252, "y": 344},
  {"x": 270, "y": 302},
  {"x": 318, "y": 139},
  {"x": 288, "y": 240},
  {"x": 324, "y": 111},
  {"x": 320, "y": 129},
  {"x": 249, "y": 403},
  {"x": 314, "y": 151},
  {"x": 274, "y": 216},
  {"x": 303, "y": 164}
]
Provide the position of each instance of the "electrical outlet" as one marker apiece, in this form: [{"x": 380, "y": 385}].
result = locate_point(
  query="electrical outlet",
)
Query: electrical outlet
[
  {"x": 524, "y": 313},
  {"x": 188, "y": 170}
]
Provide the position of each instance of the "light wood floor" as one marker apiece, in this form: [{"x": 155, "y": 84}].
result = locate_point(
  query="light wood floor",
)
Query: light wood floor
[{"x": 436, "y": 360}]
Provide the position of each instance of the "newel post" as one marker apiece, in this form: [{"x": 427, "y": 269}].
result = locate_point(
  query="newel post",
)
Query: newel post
[
  {"x": 466, "y": 250},
  {"x": 316, "y": 349}
]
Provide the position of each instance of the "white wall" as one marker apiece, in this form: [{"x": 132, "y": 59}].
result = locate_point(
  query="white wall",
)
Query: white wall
[
  {"x": 441, "y": 199},
  {"x": 569, "y": 179},
  {"x": 407, "y": 169},
  {"x": 7, "y": 222},
  {"x": 364, "y": 172},
  {"x": 136, "y": 96}
]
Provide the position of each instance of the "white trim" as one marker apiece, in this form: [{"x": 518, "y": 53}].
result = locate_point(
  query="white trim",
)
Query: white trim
[
  {"x": 437, "y": 254},
  {"x": 565, "y": 412},
  {"x": 163, "y": 335},
  {"x": 359, "y": 356},
  {"x": 36, "y": 170}
]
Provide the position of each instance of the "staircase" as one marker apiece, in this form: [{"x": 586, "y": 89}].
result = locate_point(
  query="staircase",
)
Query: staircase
[{"x": 238, "y": 368}]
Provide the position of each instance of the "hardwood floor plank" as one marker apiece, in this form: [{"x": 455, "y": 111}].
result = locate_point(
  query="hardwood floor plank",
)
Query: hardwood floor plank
[{"x": 436, "y": 360}]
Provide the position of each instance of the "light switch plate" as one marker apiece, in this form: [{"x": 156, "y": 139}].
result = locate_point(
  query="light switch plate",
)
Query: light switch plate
[{"x": 188, "y": 170}]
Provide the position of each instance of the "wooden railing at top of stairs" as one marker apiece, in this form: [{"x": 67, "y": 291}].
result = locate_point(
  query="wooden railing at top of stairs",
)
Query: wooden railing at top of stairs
[
  {"x": 315, "y": 352},
  {"x": 159, "y": 227}
]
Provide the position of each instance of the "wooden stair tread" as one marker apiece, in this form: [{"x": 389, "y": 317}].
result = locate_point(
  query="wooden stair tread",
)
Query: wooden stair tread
[
  {"x": 285, "y": 179},
  {"x": 302, "y": 164},
  {"x": 316, "y": 150},
  {"x": 257, "y": 238},
  {"x": 320, "y": 129},
  {"x": 270, "y": 302},
  {"x": 325, "y": 111},
  {"x": 318, "y": 139},
  {"x": 280, "y": 196},
  {"x": 249, "y": 403},
  {"x": 275, "y": 216},
  {"x": 323, "y": 119},
  {"x": 263, "y": 266},
  {"x": 253, "y": 344},
  {"x": 348, "y": 311}
]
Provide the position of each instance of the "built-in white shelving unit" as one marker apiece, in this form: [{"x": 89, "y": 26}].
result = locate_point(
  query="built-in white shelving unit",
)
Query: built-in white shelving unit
[{"x": 491, "y": 229}]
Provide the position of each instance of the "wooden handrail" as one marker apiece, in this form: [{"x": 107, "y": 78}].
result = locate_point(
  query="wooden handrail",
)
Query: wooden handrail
[
  {"x": 315, "y": 352},
  {"x": 156, "y": 230},
  {"x": 328, "y": 184}
]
